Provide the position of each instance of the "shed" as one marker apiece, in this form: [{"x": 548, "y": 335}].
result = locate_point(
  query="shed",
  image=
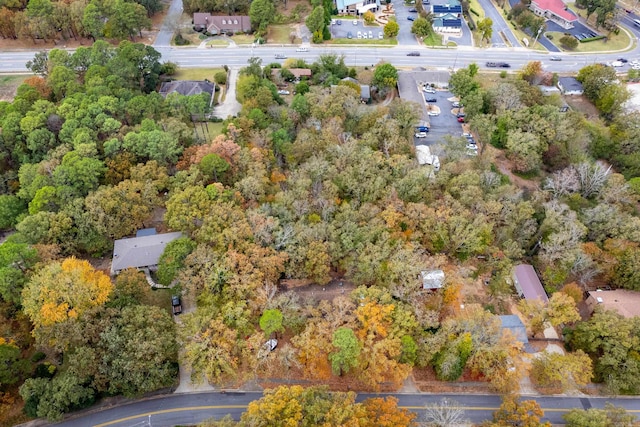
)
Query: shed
[
  {"x": 570, "y": 86},
  {"x": 515, "y": 325},
  {"x": 432, "y": 279},
  {"x": 528, "y": 284},
  {"x": 140, "y": 252}
]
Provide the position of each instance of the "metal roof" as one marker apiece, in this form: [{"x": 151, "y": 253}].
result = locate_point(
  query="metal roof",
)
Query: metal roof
[
  {"x": 529, "y": 283},
  {"x": 138, "y": 252}
]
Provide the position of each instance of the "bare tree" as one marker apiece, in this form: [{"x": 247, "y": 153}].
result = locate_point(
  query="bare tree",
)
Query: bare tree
[
  {"x": 446, "y": 413},
  {"x": 592, "y": 178},
  {"x": 563, "y": 182}
]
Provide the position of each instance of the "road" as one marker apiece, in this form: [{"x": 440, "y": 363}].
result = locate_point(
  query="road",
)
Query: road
[
  {"x": 169, "y": 24},
  {"x": 195, "y": 407}
]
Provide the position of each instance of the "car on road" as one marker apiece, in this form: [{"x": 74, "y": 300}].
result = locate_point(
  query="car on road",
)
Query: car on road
[
  {"x": 339, "y": 22},
  {"x": 431, "y": 99},
  {"x": 433, "y": 113},
  {"x": 413, "y": 10},
  {"x": 281, "y": 56},
  {"x": 302, "y": 49},
  {"x": 411, "y": 18},
  {"x": 283, "y": 92},
  {"x": 615, "y": 64},
  {"x": 421, "y": 134},
  {"x": 414, "y": 53},
  {"x": 498, "y": 65},
  {"x": 623, "y": 60},
  {"x": 555, "y": 58}
]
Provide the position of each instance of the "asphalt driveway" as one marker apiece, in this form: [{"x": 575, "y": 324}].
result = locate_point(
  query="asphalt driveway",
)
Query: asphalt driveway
[
  {"x": 499, "y": 25},
  {"x": 405, "y": 37}
]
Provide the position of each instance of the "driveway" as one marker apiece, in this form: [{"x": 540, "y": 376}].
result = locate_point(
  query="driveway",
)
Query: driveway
[
  {"x": 230, "y": 106},
  {"x": 499, "y": 25},
  {"x": 168, "y": 25},
  {"x": 405, "y": 37}
]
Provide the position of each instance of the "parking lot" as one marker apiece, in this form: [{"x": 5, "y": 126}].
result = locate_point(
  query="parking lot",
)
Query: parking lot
[{"x": 353, "y": 26}]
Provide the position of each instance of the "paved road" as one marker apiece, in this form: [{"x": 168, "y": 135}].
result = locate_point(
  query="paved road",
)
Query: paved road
[
  {"x": 405, "y": 37},
  {"x": 169, "y": 24},
  {"x": 499, "y": 24},
  {"x": 195, "y": 407}
]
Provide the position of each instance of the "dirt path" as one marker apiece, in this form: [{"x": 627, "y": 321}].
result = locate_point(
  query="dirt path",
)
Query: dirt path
[{"x": 504, "y": 165}]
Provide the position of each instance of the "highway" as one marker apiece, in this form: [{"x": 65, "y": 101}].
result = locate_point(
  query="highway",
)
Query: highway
[
  {"x": 192, "y": 408},
  {"x": 360, "y": 56}
]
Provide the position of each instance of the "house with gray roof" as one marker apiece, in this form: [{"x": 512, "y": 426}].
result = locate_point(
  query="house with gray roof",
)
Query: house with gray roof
[
  {"x": 432, "y": 279},
  {"x": 188, "y": 88},
  {"x": 570, "y": 86},
  {"x": 213, "y": 24},
  {"x": 140, "y": 252},
  {"x": 515, "y": 326},
  {"x": 527, "y": 283}
]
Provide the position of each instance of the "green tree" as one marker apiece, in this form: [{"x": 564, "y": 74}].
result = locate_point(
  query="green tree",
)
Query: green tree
[
  {"x": 315, "y": 20},
  {"x": 610, "y": 416},
  {"x": 213, "y": 165},
  {"x": 52, "y": 398},
  {"x": 16, "y": 263},
  {"x": 385, "y": 76},
  {"x": 391, "y": 29},
  {"x": 261, "y": 14},
  {"x": 485, "y": 28},
  {"x": 347, "y": 351},
  {"x": 172, "y": 259},
  {"x": 271, "y": 322},
  {"x": 421, "y": 27},
  {"x": 12, "y": 366},
  {"x": 10, "y": 208}
]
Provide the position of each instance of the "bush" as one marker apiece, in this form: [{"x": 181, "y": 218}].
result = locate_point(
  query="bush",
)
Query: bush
[
  {"x": 326, "y": 34},
  {"x": 474, "y": 12},
  {"x": 178, "y": 40},
  {"x": 549, "y": 36},
  {"x": 38, "y": 356},
  {"x": 568, "y": 42},
  {"x": 220, "y": 78},
  {"x": 503, "y": 74}
]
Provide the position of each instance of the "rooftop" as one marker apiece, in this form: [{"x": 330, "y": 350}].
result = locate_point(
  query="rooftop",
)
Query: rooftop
[
  {"x": 186, "y": 87},
  {"x": 557, "y": 7},
  {"x": 515, "y": 325},
  {"x": 626, "y": 303},
  {"x": 569, "y": 83},
  {"x": 530, "y": 283},
  {"x": 432, "y": 279},
  {"x": 138, "y": 252}
]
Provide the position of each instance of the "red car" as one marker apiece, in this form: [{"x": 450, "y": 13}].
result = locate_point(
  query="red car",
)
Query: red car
[{"x": 460, "y": 119}]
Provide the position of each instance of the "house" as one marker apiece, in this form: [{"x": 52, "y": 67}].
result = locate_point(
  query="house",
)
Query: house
[
  {"x": 515, "y": 326},
  {"x": 221, "y": 24},
  {"x": 527, "y": 283},
  {"x": 140, "y": 252},
  {"x": 554, "y": 10},
  {"x": 447, "y": 18},
  {"x": 570, "y": 86},
  {"x": 432, "y": 279},
  {"x": 298, "y": 73},
  {"x": 356, "y": 7},
  {"x": 625, "y": 303},
  {"x": 188, "y": 88},
  {"x": 447, "y": 24}
]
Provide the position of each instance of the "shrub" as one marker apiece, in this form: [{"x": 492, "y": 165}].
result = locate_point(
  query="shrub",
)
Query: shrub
[
  {"x": 178, "y": 40},
  {"x": 38, "y": 356},
  {"x": 474, "y": 12},
  {"x": 503, "y": 74},
  {"x": 568, "y": 42},
  {"x": 220, "y": 78}
]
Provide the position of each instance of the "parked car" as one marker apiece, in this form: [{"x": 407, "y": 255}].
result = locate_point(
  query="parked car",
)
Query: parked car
[
  {"x": 431, "y": 99},
  {"x": 339, "y": 22},
  {"x": 413, "y": 10},
  {"x": 364, "y": 34},
  {"x": 555, "y": 58},
  {"x": 302, "y": 49},
  {"x": 370, "y": 34},
  {"x": 425, "y": 1},
  {"x": 355, "y": 22},
  {"x": 433, "y": 113},
  {"x": 380, "y": 36},
  {"x": 461, "y": 115},
  {"x": 456, "y": 104},
  {"x": 176, "y": 304},
  {"x": 414, "y": 53},
  {"x": 460, "y": 119},
  {"x": 359, "y": 34},
  {"x": 421, "y": 135},
  {"x": 349, "y": 35},
  {"x": 283, "y": 92},
  {"x": 411, "y": 18},
  {"x": 281, "y": 56},
  {"x": 472, "y": 147}
]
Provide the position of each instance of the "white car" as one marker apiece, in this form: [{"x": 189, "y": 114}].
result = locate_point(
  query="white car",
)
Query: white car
[
  {"x": 421, "y": 135},
  {"x": 302, "y": 49},
  {"x": 370, "y": 34},
  {"x": 283, "y": 92},
  {"x": 380, "y": 36},
  {"x": 364, "y": 34},
  {"x": 428, "y": 89},
  {"x": 359, "y": 34},
  {"x": 433, "y": 113},
  {"x": 615, "y": 64},
  {"x": 355, "y": 22}
]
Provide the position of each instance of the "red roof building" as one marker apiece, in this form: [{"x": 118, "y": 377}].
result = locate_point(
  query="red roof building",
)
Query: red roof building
[{"x": 554, "y": 10}]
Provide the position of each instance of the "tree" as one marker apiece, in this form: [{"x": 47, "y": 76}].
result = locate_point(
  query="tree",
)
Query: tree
[
  {"x": 385, "y": 76},
  {"x": 261, "y": 14},
  {"x": 462, "y": 82},
  {"x": 524, "y": 413},
  {"x": 384, "y": 412},
  {"x": 561, "y": 371},
  {"x": 610, "y": 416},
  {"x": 214, "y": 165},
  {"x": 446, "y": 413},
  {"x": 63, "y": 291},
  {"x": 172, "y": 259},
  {"x": 39, "y": 64},
  {"x": 317, "y": 264},
  {"x": 369, "y": 17},
  {"x": 348, "y": 351},
  {"x": 271, "y": 322},
  {"x": 315, "y": 20},
  {"x": 421, "y": 27},
  {"x": 532, "y": 72},
  {"x": 10, "y": 208},
  {"x": 568, "y": 42},
  {"x": 391, "y": 29},
  {"x": 16, "y": 263},
  {"x": 485, "y": 28},
  {"x": 12, "y": 366}
]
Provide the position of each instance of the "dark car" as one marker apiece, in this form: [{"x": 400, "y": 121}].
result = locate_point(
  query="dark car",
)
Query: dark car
[
  {"x": 176, "y": 304},
  {"x": 461, "y": 115},
  {"x": 431, "y": 99},
  {"x": 504, "y": 65},
  {"x": 623, "y": 60},
  {"x": 411, "y": 18},
  {"x": 491, "y": 64},
  {"x": 413, "y": 10},
  {"x": 414, "y": 53},
  {"x": 339, "y": 22}
]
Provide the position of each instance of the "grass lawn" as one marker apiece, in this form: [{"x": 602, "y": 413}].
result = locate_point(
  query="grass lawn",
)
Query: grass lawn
[
  {"x": 615, "y": 42},
  {"x": 383, "y": 42},
  {"x": 9, "y": 84},
  {"x": 521, "y": 34},
  {"x": 475, "y": 5},
  {"x": 433, "y": 40},
  {"x": 218, "y": 43},
  {"x": 280, "y": 34},
  {"x": 215, "y": 129},
  {"x": 196, "y": 73},
  {"x": 243, "y": 38}
]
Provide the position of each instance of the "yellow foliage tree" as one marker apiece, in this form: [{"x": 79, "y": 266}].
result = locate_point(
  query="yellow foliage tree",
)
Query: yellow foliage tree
[{"x": 63, "y": 291}]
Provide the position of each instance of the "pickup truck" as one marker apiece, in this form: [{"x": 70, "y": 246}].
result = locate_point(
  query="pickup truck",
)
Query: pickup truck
[{"x": 176, "y": 304}]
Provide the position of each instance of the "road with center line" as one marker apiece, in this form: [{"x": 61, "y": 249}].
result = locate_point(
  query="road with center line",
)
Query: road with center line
[{"x": 191, "y": 408}]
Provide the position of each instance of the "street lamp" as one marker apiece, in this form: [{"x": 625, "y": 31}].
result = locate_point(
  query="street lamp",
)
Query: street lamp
[{"x": 537, "y": 35}]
